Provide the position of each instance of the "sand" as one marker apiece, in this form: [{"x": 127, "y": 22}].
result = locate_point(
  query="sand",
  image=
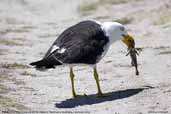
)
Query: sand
[{"x": 29, "y": 27}]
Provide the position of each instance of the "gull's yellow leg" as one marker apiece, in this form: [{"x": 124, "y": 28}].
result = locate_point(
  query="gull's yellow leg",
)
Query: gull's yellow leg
[
  {"x": 96, "y": 76},
  {"x": 72, "y": 82}
]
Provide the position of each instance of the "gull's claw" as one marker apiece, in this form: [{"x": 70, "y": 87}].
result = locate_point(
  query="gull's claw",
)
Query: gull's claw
[
  {"x": 77, "y": 96},
  {"x": 101, "y": 95}
]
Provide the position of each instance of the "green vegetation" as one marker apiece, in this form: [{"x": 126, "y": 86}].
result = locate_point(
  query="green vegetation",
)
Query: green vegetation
[
  {"x": 19, "y": 39},
  {"x": 28, "y": 27},
  {"x": 101, "y": 17},
  {"x": 161, "y": 47},
  {"x": 47, "y": 35},
  {"x": 9, "y": 42},
  {"x": 165, "y": 52},
  {"x": 164, "y": 16},
  {"x": 26, "y": 73},
  {"x": 14, "y": 65},
  {"x": 124, "y": 20},
  {"x": 115, "y": 1},
  {"x": 158, "y": 16},
  {"x": 3, "y": 77},
  {"x": 88, "y": 7},
  {"x": 16, "y": 30},
  {"x": 3, "y": 89},
  {"x": 10, "y": 103}
]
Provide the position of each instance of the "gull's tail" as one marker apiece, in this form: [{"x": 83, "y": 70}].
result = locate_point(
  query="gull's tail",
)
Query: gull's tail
[{"x": 45, "y": 64}]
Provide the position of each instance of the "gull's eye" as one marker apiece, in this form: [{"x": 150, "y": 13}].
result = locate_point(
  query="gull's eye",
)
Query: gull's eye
[
  {"x": 123, "y": 35},
  {"x": 122, "y": 28}
]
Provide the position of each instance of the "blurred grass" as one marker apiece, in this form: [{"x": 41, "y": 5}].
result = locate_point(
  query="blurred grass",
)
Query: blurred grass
[
  {"x": 161, "y": 47},
  {"x": 157, "y": 16},
  {"x": 88, "y": 7},
  {"x": 18, "y": 29},
  {"x": 101, "y": 17},
  {"x": 19, "y": 39},
  {"x": 7, "y": 103},
  {"x": 10, "y": 103},
  {"x": 15, "y": 30},
  {"x": 164, "y": 52},
  {"x": 14, "y": 66},
  {"x": 3, "y": 77},
  {"x": 48, "y": 35},
  {"x": 9, "y": 42},
  {"x": 124, "y": 20},
  {"x": 26, "y": 73},
  {"x": 164, "y": 16},
  {"x": 115, "y": 1},
  {"x": 4, "y": 101},
  {"x": 3, "y": 89}
]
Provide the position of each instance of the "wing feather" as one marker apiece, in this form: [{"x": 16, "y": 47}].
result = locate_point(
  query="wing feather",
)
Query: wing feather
[{"x": 83, "y": 43}]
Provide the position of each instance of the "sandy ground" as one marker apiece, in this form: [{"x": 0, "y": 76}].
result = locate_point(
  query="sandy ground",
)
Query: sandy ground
[{"x": 28, "y": 28}]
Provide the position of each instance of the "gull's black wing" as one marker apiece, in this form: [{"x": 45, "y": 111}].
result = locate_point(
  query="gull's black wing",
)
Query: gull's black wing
[{"x": 81, "y": 43}]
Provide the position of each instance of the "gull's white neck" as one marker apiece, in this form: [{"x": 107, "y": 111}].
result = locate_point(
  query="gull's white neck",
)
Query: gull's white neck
[{"x": 112, "y": 30}]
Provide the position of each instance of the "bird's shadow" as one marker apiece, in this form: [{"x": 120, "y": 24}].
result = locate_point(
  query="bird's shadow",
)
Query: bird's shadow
[{"x": 93, "y": 99}]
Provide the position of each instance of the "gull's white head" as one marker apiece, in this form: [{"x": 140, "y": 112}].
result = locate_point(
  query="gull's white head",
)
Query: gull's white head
[{"x": 116, "y": 31}]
